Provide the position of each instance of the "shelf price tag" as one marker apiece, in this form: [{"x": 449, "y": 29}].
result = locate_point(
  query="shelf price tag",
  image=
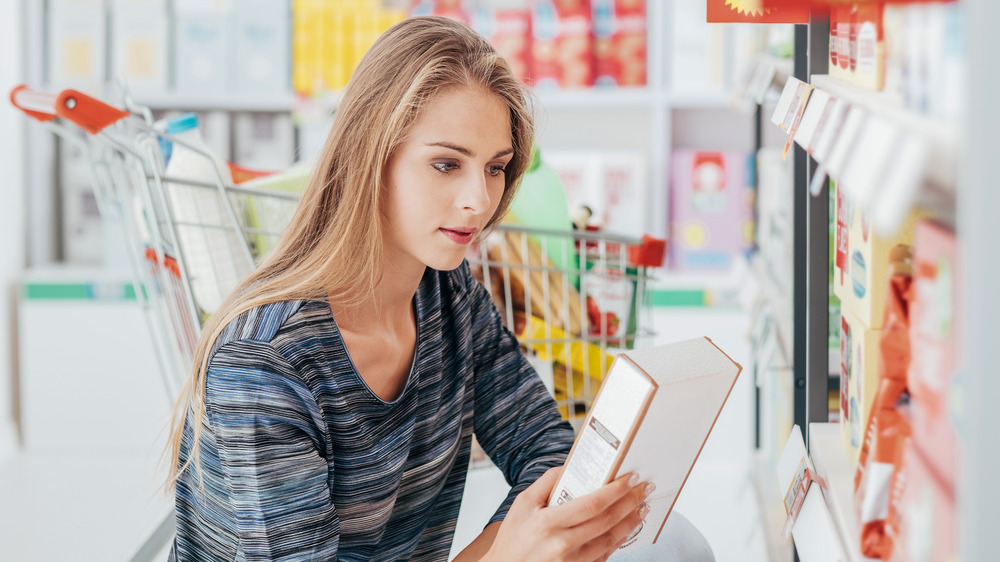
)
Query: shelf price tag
[
  {"x": 827, "y": 130},
  {"x": 870, "y": 158},
  {"x": 787, "y": 102},
  {"x": 793, "y": 119},
  {"x": 843, "y": 145},
  {"x": 901, "y": 184},
  {"x": 815, "y": 114}
]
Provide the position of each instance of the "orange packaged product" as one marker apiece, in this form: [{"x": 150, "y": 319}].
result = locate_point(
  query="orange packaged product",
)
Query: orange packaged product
[
  {"x": 509, "y": 31},
  {"x": 887, "y": 428},
  {"x": 927, "y": 515}
]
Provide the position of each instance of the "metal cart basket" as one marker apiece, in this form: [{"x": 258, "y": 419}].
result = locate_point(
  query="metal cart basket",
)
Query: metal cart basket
[{"x": 571, "y": 297}]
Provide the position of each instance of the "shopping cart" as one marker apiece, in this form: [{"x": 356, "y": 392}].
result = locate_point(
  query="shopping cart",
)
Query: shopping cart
[{"x": 571, "y": 297}]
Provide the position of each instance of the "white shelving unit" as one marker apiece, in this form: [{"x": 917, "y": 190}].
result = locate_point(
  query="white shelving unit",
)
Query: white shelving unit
[{"x": 953, "y": 185}]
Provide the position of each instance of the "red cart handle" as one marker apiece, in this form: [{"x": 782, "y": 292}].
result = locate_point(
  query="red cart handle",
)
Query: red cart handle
[{"x": 92, "y": 115}]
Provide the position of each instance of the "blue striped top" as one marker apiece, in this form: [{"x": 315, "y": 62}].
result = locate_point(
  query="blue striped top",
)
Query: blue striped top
[{"x": 300, "y": 460}]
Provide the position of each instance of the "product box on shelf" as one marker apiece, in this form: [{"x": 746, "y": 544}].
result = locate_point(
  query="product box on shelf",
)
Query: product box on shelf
[
  {"x": 619, "y": 42},
  {"x": 928, "y": 518},
  {"x": 610, "y": 184},
  {"x": 509, "y": 31},
  {"x": 710, "y": 209},
  {"x": 139, "y": 45},
  {"x": 861, "y": 262},
  {"x": 202, "y": 47},
  {"x": 934, "y": 340},
  {"x": 859, "y": 355},
  {"x": 262, "y": 46},
  {"x": 561, "y": 44},
  {"x": 76, "y": 49},
  {"x": 857, "y": 44}
]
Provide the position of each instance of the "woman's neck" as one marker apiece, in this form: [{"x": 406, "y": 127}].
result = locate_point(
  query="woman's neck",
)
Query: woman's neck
[{"x": 388, "y": 307}]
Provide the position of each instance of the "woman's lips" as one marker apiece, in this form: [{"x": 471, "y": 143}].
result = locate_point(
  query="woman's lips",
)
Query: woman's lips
[{"x": 459, "y": 235}]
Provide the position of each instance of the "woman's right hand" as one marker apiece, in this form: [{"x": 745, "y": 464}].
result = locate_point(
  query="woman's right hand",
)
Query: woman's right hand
[{"x": 588, "y": 528}]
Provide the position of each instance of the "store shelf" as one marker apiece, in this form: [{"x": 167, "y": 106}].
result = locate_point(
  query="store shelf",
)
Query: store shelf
[
  {"x": 700, "y": 100},
  {"x": 598, "y": 98},
  {"x": 941, "y": 134},
  {"x": 772, "y": 513},
  {"x": 828, "y": 456},
  {"x": 278, "y": 103}
]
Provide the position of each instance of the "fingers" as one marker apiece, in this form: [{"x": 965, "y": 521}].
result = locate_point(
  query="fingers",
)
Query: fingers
[
  {"x": 585, "y": 508},
  {"x": 621, "y": 517},
  {"x": 604, "y": 545}
]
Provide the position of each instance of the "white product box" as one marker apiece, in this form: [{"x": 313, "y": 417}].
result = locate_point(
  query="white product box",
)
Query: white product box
[
  {"x": 77, "y": 45},
  {"x": 263, "y": 141},
  {"x": 262, "y": 46},
  {"x": 139, "y": 45},
  {"x": 202, "y": 55},
  {"x": 611, "y": 184}
]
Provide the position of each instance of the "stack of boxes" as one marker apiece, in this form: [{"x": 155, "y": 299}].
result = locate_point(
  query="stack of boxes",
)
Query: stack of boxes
[
  {"x": 860, "y": 281},
  {"x": 557, "y": 44}
]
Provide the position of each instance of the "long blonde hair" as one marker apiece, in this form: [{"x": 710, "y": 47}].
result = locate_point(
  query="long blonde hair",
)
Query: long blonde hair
[{"x": 333, "y": 244}]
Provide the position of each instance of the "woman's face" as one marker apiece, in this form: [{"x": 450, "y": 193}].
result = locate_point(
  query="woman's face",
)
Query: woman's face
[{"x": 446, "y": 179}]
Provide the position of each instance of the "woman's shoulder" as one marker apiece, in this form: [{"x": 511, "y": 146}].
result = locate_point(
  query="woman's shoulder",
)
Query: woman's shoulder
[{"x": 264, "y": 323}]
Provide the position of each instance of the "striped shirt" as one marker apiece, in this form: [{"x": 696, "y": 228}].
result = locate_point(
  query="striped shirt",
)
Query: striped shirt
[{"x": 300, "y": 460}]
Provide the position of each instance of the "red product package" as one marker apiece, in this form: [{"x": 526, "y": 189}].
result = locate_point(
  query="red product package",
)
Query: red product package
[
  {"x": 888, "y": 428},
  {"x": 619, "y": 42},
  {"x": 510, "y": 33},
  {"x": 561, "y": 44},
  {"x": 925, "y": 507},
  {"x": 451, "y": 9},
  {"x": 934, "y": 337}
]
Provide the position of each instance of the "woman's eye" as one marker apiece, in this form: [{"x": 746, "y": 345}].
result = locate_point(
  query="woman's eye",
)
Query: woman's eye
[
  {"x": 444, "y": 167},
  {"x": 496, "y": 170}
]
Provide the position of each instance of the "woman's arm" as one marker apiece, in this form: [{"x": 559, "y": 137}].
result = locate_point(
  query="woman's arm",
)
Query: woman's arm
[{"x": 274, "y": 479}]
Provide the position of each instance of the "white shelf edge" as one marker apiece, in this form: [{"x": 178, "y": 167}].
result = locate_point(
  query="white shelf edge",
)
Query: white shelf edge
[
  {"x": 277, "y": 103},
  {"x": 830, "y": 459},
  {"x": 597, "y": 97},
  {"x": 772, "y": 513},
  {"x": 940, "y": 133}
]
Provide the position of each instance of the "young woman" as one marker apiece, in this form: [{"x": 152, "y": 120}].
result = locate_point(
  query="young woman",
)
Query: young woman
[{"x": 336, "y": 392}]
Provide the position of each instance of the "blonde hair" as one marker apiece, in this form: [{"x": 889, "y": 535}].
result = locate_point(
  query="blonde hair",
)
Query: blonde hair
[{"x": 333, "y": 244}]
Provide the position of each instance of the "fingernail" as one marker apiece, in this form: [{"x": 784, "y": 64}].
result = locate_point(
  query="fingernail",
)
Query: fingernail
[
  {"x": 633, "y": 479},
  {"x": 643, "y": 510},
  {"x": 649, "y": 488}
]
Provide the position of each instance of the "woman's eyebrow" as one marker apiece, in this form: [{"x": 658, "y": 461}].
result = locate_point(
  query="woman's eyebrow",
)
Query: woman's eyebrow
[{"x": 465, "y": 151}]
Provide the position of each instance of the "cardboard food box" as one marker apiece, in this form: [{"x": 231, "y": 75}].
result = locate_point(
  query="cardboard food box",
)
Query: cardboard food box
[
  {"x": 859, "y": 353},
  {"x": 934, "y": 324},
  {"x": 619, "y": 42},
  {"x": 652, "y": 416},
  {"x": 561, "y": 47},
  {"x": 202, "y": 48},
  {"x": 710, "y": 208},
  {"x": 861, "y": 262},
  {"x": 139, "y": 45},
  {"x": 76, "y": 45},
  {"x": 928, "y": 519},
  {"x": 509, "y": 31},
  {"x": 262, "y": 46},
  {"x": 868, "y": 46}
]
